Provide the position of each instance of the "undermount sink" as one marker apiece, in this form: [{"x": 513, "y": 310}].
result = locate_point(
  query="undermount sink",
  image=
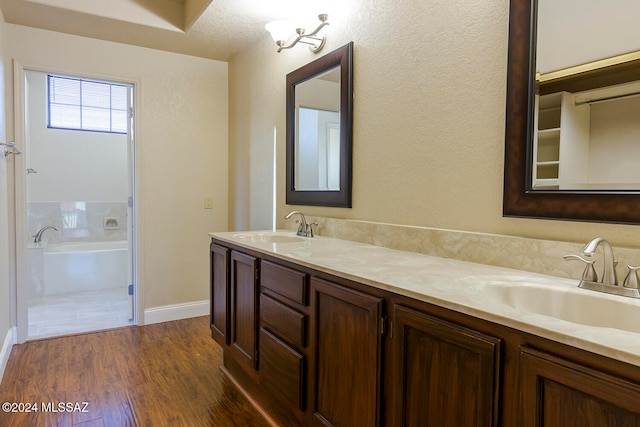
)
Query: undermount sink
[
  {"x": 570, "y": 304},
  {"x": 269, "y": 237}
]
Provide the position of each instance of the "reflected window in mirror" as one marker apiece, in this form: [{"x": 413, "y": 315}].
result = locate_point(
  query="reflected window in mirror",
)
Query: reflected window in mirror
[
  {"x": 571, "y": 148},
  {"x": 319, "y": 131}
]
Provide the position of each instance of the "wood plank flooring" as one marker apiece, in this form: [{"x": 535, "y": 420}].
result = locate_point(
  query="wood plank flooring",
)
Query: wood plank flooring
[{"x": 167, "y": 374}]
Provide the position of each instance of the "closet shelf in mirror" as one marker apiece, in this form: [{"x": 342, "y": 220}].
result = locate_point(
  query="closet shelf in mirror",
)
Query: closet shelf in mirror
[{"x": 548, "y": 133}]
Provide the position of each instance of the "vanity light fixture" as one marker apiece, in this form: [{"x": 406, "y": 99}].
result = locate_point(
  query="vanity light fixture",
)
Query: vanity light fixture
[{"x": 282, "y": 30}]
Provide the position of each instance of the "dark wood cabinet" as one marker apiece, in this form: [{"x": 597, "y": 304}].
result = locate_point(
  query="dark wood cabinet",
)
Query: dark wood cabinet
[
  {"x": 234, "y": 303},
  {"x": 283, "y": 342},
  {"x": 220, "y": 295},
  {"x": 347, "y": 347},
  {"x": 444, "y": 374},
  {"x": 560, "y": 393},
  {"x": 311, "y": 348},
  {"x": 243, "y": 343}
]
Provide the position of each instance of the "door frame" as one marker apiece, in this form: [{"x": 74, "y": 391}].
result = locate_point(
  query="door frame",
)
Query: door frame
[{"x": 19, "y": 184}]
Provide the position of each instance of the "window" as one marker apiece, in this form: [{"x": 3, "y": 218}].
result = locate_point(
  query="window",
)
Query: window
[{"x": 87, "y": 105}]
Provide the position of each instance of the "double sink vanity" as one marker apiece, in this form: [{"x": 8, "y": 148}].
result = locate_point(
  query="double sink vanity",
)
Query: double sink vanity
[{"x": 324, "y": 331}]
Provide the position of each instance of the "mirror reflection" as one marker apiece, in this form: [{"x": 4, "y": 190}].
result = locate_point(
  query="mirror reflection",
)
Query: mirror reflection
[
  {"x": 317, "y": 133},
  {"x": 587, "y": 102}
]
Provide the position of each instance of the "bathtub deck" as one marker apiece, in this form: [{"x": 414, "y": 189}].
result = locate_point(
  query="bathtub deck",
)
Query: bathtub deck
[{"x": 72, "y": 313}]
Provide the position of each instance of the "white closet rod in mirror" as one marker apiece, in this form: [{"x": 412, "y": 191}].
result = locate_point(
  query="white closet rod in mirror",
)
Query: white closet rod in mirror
[{"x": 609, "y": 98}]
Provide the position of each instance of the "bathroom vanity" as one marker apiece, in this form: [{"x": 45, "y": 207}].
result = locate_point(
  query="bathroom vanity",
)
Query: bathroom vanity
[{"x": 322, "y": 331}]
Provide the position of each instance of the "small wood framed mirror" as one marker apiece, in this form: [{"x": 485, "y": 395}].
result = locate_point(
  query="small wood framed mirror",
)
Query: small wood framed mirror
[{"x": 319, "y": 131}]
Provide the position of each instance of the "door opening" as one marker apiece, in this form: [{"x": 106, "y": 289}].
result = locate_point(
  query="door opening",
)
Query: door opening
[{"x": 76, "y": 213}]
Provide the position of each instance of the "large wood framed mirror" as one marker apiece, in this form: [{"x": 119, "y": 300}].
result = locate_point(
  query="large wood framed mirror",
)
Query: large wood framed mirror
[
  {"x": 544, "y": 99},
  {"x": 319, "y": 131}
]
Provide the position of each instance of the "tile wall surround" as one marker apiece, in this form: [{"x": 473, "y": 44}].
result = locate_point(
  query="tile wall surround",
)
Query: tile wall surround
[
  {"x": 533, "y": 255},
  {"x": 77, "y": 221}
]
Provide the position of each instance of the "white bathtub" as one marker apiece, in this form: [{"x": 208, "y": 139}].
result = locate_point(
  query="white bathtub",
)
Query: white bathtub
[{"x": 73, "y": 267}]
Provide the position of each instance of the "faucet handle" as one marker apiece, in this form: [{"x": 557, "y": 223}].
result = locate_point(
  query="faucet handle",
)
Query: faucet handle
[
  {"x": 632, "y": 281},
  {"x": 311, "y": 225},
  {"x": 589, "y": 273}
]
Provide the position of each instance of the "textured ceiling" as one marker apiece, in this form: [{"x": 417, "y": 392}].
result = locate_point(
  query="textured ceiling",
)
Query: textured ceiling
[{"x": 216, "y": 29}]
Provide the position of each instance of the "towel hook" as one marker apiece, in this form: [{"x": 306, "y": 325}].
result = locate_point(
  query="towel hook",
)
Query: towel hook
[{"x": 10, "y": 148}]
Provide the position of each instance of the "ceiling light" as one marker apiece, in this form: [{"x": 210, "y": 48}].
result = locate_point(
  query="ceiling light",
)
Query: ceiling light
[{"x": 281, "y": 31}]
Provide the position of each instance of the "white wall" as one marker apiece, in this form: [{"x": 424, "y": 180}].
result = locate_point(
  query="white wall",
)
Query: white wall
[
  {"x": 311, "y": 148},
  {"x": 614, "y": 142},
  {"x": 182, "y": 122},
  {"x": 71, "y": 165},
  {"x": 573, "y": 33}
]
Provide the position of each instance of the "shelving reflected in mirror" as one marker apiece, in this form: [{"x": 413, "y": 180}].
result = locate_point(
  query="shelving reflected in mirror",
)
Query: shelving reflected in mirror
[
  {"x": 587, "y": 105},
  {"x": 573, "y": 86}
]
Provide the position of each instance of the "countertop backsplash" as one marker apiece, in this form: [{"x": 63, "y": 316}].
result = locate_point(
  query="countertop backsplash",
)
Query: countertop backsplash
[{"x": 534, "y": 255}]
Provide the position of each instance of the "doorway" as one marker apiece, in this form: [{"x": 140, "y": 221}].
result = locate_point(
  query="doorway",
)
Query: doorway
[{"x": 78, "y": 266}]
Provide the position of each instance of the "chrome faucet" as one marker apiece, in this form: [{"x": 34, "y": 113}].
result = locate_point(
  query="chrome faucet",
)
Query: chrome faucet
[
  {"x": 37, "y": 238},
  {"x": 609, "y": 282},
  {"x": 304, "y": 228},
  {"x": 609, "y": 274}
]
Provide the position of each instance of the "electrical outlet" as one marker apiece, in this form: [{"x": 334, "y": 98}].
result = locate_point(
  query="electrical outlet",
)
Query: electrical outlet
[{"x": 208, "y": 202}]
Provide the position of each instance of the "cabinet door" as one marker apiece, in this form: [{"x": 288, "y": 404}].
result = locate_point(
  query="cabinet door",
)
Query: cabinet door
[
  {"x": 281, "y": 372},
  {"x": 346, "y": 352},
  {"x": 244, "y": 309},
  {"x": 220, "y": 297},
  {"x": 445, "y": 374},
  {"x": 560, "y": 393}
]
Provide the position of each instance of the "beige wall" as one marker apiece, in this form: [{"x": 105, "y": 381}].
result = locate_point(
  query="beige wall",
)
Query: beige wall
[
  {"x": 430, "y": 84},
  {"x": 182, "y": 141}
]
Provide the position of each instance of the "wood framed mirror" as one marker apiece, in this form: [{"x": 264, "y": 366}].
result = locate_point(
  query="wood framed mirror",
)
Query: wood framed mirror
[
  {"x": 319, "y": 131},
  {"x": 520, "y": 198}
]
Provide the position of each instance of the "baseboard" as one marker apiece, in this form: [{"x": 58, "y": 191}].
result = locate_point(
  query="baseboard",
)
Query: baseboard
[
  {"x": 250, "y": 398},
  {"x": 168, "y": 313},
  {"x": 7, "y": 345}
]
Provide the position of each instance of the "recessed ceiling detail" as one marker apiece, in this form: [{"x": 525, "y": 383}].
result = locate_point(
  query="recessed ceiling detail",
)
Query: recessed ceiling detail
[
  {"x": 210, "y": 29},
  {"x": 172, "y": 15}
]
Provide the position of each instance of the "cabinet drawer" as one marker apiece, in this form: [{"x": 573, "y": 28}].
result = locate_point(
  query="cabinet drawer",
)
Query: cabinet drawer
[
  {"x": 284, "y": 281},
  {"x": 282, "y": 320},
  {"x": 281, "y": 371}
]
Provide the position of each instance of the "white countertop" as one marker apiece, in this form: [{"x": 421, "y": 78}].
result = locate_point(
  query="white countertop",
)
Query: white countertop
[{"x": 453, "y": 284}]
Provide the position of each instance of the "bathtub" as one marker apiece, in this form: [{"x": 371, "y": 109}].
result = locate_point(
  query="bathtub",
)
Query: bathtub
[{"x": 79, "y": 266}]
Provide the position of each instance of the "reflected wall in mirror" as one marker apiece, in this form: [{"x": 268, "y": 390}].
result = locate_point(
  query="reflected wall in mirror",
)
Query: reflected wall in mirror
[
  {"x": 571, "y": 146},
  {"x": 317, "y": 139},
  {"x": 319, "y": 131}
]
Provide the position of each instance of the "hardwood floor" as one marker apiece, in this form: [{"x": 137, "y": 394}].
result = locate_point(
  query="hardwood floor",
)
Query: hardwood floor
[{"x": 167, "y": 374}]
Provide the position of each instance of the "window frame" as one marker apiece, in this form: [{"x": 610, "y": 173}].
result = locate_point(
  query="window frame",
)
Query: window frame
[{"x": 81, "y": 105}]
